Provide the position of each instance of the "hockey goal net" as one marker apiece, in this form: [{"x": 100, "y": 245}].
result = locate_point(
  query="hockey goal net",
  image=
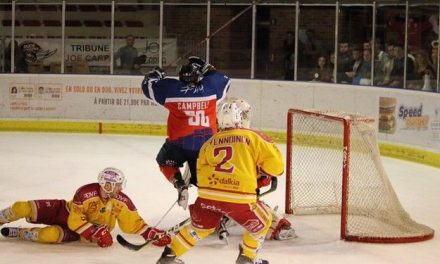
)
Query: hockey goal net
[{"x": 334, "y": 167}]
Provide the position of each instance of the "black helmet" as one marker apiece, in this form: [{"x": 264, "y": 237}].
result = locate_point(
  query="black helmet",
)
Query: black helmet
[{"x": 189, "y": 73}]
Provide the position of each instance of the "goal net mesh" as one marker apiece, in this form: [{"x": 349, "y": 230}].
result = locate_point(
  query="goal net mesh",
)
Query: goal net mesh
[{"x": 315, "y": 183}]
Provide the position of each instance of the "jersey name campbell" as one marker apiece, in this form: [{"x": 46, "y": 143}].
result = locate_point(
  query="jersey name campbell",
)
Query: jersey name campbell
[
  {"x": 228, "y": 161},
  {"x": 192, "y": 110}
]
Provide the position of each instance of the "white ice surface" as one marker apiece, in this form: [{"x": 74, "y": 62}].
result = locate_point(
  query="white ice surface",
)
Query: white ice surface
[{"x": 47, "y": 165}]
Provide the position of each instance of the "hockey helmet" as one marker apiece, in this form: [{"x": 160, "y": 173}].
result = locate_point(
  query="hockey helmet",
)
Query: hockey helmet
[
  {"x": 110, "y": 177},
  {"x": 229, "y": 116},
  {"x": 190, "y": 73}
]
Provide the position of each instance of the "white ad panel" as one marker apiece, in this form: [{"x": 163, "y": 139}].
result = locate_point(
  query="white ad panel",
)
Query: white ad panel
[
  {"x": 77, "y": 97},
  {"x": 402, "y": 116}
]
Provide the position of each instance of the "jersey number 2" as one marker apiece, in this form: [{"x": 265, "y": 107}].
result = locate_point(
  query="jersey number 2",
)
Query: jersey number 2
[{"x": 227, "y": 155}]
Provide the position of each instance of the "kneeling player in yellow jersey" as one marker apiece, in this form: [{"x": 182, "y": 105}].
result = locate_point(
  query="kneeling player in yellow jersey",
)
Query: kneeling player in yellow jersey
[
  {"x": 281, "y": 228},
  {"x": 227, "y": 182},
  {"x": 90, "y": 216}
]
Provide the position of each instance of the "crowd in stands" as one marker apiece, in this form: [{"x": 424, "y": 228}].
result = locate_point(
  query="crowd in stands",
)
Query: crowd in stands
[{"x": 356, "y": 63}]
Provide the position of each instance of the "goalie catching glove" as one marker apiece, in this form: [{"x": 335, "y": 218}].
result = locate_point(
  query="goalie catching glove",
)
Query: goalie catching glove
[
  {"x": 159, "y": 237},
  {"x": 157, "y": 73},
  {"x": 201, "y": 64}
]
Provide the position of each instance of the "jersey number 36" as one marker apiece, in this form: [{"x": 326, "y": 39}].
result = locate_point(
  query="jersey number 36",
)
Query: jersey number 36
[{"x": 197, "y": 118}]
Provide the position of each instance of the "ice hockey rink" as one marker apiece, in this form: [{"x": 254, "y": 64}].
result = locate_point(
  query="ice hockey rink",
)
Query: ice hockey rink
[{"x": 54, "y": 165}]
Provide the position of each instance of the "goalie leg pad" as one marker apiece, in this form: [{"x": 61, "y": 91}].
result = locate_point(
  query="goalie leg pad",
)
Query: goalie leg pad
[{"x": 281, "y": 230}]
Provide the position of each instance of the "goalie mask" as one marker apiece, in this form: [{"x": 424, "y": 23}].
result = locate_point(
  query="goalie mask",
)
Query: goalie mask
[
  {"x": 245, "y": 108},
  {"x": 245, "y": 112},
  {"x": 111, "y": 179},
  {"x": 229, "y": 116},
  {"x": 190, "y": 74}
]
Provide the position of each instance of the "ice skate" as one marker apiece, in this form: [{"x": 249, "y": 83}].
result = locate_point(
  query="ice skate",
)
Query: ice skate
[
  {"x": 222, "y": 230},
  {"x": 5, "y": 215},
  {"x": 243, "y": 259},
  {"x": 168, "y": 257},
  {"x": 30, "y": 234}
]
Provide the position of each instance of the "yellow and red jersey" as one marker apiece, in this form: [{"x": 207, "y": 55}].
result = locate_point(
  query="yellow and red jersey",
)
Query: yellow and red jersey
[
  {"x": 228, "y": 163},
  {"x": 87, "y": 209}
]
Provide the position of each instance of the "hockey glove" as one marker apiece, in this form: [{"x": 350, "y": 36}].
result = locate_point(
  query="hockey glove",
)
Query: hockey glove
[
  {"x": 157, "y": 73},
  {"x": 201, "y": 64},
  {"x": 264, "y": 181},
  {"x": 159, "y": 237},
  {"x": 102, "y": 236}
]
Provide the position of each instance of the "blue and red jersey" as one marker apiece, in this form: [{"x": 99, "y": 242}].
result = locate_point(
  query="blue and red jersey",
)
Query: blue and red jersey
[{"x": 192, "y": 109}]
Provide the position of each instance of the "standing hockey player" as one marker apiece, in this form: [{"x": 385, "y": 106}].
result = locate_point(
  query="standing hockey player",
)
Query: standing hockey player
[
  {"x": 90, "y": 216},
  {"x": 192, "y": 103},
  {"x": 227, "y": 181}
]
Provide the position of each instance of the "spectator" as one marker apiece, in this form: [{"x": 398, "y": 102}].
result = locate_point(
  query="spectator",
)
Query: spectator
[
  {"x": 366, "y": 45},
  {"x": 397, "y": 73},
  {"x": 20, "y": 64},
  {"x": 321, "y": 72},
  {"x": 424, "y": 72},
  {"x": 127, "y": 57},
  {"x": 344, "y": 62},
  {"x": 331, "y": 65},
  {"x": 313, "y": 46},
  {"x": 381, "y": 58},
  {"x": 356, "y": 63},
  {"x": 363, "y": 75},
  {"x": 289, "y": 55},
  {"x": 388, "y": 66},
  {"x": 18, "y": 57}
]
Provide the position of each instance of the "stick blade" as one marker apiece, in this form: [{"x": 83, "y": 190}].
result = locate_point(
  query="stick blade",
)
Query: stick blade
[{"x": 123, "y": 242}]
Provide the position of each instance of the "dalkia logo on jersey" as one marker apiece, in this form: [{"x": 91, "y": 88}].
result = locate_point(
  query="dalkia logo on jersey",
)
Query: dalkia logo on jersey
[
  {"x": 413, "y": 117},
  {"x": 214, "y": 180}
]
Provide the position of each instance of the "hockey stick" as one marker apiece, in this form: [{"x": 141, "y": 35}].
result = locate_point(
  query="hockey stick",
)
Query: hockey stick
[
  {"x": 135, "y": 247},
  {"x": 128, "y": 245},
  {"x": 123, "y": 242},
  {"x": 273, "y": 187},
  {"x": 212, "y": 34}
]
